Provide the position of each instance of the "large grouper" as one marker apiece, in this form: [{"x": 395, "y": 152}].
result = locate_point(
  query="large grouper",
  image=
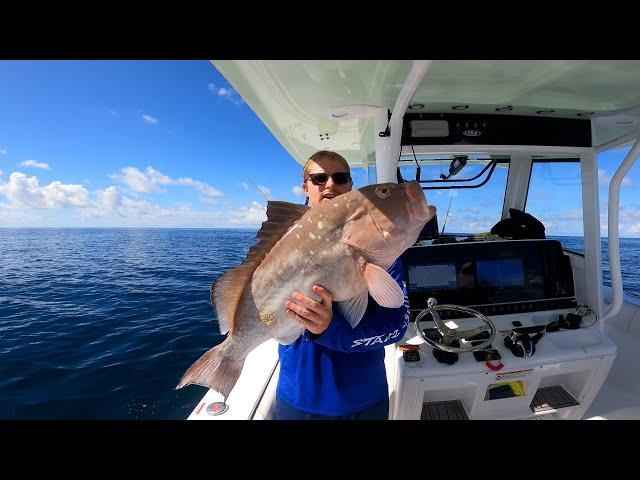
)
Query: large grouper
[{"x": 346, "y": 245}]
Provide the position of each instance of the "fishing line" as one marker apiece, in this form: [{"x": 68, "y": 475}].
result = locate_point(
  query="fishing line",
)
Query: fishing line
[
  {"x": 447, "y": 216},
  {"x": 258, "y": 189}
]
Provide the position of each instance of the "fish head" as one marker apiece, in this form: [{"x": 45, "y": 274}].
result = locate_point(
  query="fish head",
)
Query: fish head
[{"x": 383, "y": 220}]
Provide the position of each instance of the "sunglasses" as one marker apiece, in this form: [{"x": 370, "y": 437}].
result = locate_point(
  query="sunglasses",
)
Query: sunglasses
[{"x": 339, "y": 178}]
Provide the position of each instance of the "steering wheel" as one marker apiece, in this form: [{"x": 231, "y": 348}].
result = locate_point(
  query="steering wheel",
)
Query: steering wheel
[{"x": 450, "y": 335}]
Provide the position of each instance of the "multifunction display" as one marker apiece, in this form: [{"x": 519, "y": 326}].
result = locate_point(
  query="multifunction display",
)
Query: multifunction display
[{"x": 487, "y": 273}]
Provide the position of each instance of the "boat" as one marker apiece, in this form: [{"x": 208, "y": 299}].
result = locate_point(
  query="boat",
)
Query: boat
[{"x": 535, "y": 334}]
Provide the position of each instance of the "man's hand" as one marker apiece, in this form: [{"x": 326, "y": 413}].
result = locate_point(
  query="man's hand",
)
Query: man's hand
[{"x": 315, "y": 316}]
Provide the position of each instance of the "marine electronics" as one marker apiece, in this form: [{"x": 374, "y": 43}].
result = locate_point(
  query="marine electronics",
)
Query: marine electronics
[
  {"x": 484, "y": 129},
  {"x": 493, "y": 277}
]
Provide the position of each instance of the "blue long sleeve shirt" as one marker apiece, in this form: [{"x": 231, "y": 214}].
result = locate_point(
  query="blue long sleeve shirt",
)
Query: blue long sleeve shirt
[{"x": 341, "y": 371}]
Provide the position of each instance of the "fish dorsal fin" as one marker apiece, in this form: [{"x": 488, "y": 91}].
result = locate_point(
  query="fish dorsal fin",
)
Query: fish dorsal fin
[
  {"x": 280, "y": 217},
  {"x": 382, "y": 287},
  {"x": 226, "y": 291}
]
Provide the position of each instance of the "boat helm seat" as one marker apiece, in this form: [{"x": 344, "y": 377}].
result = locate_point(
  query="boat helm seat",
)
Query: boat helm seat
[{"x": 520, "y": 226}]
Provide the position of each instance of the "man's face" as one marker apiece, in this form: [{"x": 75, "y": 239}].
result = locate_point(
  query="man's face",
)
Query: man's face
[{"x": 319, "y": 193}]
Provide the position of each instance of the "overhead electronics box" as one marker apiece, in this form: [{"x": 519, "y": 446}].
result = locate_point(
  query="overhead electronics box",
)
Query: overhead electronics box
[{"x": 475, "y": 129}]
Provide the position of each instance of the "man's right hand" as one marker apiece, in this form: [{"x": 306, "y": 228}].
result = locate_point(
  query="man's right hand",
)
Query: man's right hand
[{"x": 315, "y": 316}]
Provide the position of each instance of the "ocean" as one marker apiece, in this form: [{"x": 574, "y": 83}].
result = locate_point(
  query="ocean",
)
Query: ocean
[{"x": 102, "y": 323}]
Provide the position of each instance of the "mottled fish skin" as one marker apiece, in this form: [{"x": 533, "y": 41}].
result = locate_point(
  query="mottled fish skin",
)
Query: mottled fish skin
[{"x": 330, "y": 245}]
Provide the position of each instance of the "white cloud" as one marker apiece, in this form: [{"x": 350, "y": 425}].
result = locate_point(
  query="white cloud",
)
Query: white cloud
[
  {"x": 35, "y": 164},
  {"x": 107, "y": 203},
  {"x": 111, "y": 208},
  {"x": 465, "y": 222},
  {"x": 634, "y": 228},
  {"x": 604, "y": 179},
  {"x": 245, "y": 185},
  {"x": 247, "y": 216},
  {"x": 13, "y": 216},
  {"x": 23, "y": 191},
  {"x": 114, "y": 113},
  {"x": 149, "y": 119},
  {"x": 208, "y": 193},
  {"x": 298, "y": 191},
  {"x": 227, "y": 93},
  {"x": 3, "y": 151},
  {"x": 142, "y": 182},
  {"x": 150, "y": 180},
  {"x": 110, "y": 203}
]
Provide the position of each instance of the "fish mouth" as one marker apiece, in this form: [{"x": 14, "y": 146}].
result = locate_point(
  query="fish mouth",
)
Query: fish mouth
[{"x": 418, "y": 208}]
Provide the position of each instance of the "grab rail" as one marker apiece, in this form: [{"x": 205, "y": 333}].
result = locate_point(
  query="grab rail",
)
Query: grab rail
[{"x": 614, "y": 233}]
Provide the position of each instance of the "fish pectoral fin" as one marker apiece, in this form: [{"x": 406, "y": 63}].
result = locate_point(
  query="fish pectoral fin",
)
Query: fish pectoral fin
[
  {"x": 382, "y": 287},
  {"x": 353, "y": 309}
]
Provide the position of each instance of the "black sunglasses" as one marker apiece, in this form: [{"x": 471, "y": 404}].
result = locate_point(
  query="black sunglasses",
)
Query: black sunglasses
[{"x": 339, "y": 178}]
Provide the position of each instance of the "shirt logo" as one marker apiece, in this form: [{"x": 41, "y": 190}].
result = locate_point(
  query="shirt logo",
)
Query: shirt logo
[{"x": 377, "y": 339}]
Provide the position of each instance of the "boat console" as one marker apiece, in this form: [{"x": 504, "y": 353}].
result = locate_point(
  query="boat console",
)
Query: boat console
[{"x": 496, "y": 332}]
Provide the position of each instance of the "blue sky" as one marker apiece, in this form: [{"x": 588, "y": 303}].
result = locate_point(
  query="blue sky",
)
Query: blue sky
[{"x": 170, "y": 144}]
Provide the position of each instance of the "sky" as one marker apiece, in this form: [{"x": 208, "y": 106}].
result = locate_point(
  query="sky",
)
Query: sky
[{"x": 171, "y": 144}]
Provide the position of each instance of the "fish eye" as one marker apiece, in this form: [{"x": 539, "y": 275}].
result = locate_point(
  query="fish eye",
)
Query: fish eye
[{"x": 383, "y": 192}]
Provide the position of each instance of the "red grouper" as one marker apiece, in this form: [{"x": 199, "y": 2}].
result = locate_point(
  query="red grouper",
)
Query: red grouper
[{"x": 345, "y": 245}]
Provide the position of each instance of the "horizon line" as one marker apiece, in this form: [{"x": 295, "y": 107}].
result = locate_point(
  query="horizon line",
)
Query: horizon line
[{"x": 221, "y": 228}]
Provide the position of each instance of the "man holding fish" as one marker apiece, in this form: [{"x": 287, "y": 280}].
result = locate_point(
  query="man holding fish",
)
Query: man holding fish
[
  {"x": 326, "y": 283},
  {"x": 332, "y": 370}
]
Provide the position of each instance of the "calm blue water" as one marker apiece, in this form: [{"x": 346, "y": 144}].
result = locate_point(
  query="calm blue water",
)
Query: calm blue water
[
  {"x": 102, "y": 323},
  {"x": 629, "y": 260}
]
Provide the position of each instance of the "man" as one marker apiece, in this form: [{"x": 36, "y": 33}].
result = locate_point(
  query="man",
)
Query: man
[{"x": 334, "y": 371}]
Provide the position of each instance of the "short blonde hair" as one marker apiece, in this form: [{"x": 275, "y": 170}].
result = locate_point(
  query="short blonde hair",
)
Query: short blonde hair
[{"x": 320, "y": 155}]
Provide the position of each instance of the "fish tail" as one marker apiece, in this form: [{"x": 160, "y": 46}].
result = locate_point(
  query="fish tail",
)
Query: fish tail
[{"x": 214, "y": 370}]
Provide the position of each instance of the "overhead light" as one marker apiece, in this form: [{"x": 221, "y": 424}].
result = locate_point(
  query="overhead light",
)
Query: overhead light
[
  {"x": 416, "y": 106},
  {"x": 339, "y": 115},
  {"x": 585, "y": 114},
  {"x": 508, "y": 108},
  {"x": 460, "y": 107},
  {"x": 544, "y": 112},
  {"x": 624, "y": 122}
]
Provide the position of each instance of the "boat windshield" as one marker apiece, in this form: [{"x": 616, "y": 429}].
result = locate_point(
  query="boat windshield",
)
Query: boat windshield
[{"x": 463, "y": 209}]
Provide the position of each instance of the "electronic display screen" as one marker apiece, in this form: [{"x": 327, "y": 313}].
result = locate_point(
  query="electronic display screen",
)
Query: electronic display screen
[
  {"x": 432, "y": 277},
  {"x": 504, "y": 272},
  {"x": 487, "y": 273}
]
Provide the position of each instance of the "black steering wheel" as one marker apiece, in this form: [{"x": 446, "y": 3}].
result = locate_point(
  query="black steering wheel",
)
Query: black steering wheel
[{"x": 450, "y": 335}]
